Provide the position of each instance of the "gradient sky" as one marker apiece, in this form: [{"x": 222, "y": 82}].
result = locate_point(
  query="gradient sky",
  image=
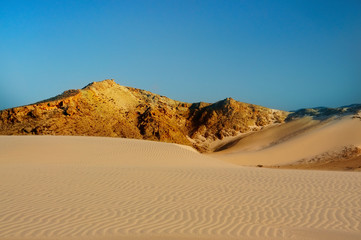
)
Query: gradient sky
[{"x": 279, "y": 54}]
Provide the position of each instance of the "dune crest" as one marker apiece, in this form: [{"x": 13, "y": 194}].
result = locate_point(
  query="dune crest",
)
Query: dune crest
[{"x": 300, "y": 141}]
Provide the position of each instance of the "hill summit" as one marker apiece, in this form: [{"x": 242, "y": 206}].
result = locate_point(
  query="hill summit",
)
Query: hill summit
[{"x": 107, "y": 109}]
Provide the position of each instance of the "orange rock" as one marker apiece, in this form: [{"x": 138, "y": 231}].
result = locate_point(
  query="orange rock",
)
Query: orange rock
[{"x": 108, "y": 109}]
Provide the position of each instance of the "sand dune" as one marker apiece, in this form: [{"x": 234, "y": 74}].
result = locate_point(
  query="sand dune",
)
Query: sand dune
[
  {"x": 291, "y": 142},
  {"x": 109, "y": 188},
  {"x": 99, "y": 151}
]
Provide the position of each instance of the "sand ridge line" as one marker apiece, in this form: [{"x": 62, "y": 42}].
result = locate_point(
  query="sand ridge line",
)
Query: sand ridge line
[{"x": 316, "y": 140}]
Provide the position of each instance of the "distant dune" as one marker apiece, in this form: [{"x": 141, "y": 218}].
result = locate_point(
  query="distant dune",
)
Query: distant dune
[
  {"x": 332, "y": 143},
  {"x": 64, "y": 187}
]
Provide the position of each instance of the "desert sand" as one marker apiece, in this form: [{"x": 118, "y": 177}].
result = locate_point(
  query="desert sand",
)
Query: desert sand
[
  {"x": 299, "y": 142},
  {"x": 110, "y": 188}
]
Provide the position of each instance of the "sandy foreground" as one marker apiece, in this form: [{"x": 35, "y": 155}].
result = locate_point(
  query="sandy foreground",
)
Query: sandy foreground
[{"x": 111, "y": 188}]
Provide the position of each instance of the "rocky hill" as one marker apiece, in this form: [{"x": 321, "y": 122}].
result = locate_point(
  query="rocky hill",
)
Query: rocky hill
[
  {"x": 108, "y": 109},
  {"x": 322, "y": 113}
]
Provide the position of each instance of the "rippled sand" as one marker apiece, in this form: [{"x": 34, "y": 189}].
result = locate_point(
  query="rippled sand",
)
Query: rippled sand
[{"x": 108, "y": 188}]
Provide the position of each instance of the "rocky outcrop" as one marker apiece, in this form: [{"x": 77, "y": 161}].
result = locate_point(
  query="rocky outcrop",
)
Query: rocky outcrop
[
  {"x": 229, "y": 118},
  {"x": 324, "y": 112},
  {"x": 108, "y": 109}
]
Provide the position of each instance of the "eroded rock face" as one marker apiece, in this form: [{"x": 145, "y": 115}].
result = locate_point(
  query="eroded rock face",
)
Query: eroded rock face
[{"x": 108, "y": 109}]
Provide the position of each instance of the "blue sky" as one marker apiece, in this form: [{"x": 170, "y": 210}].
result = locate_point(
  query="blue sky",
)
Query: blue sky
[{"x": 279, "y": 54}]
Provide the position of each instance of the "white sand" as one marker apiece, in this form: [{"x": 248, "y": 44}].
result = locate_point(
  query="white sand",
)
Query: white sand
[
  {"x": 293, "y": 141},
  {"x": 108, "y": 188}
]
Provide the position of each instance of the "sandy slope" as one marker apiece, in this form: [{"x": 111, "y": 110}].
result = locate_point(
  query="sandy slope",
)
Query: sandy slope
[
  {"x": 293, "y": 141},
  {"x": 108, "y": 188}
]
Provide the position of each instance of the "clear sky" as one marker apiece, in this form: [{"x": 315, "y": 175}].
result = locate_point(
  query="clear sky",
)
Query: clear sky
[{"x": 279, "y": 54}]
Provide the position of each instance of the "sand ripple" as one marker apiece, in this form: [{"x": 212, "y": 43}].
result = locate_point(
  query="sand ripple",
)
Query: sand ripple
[
  {"x": 228, "y": 202},
  {"x": 80, "y": 201}
]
